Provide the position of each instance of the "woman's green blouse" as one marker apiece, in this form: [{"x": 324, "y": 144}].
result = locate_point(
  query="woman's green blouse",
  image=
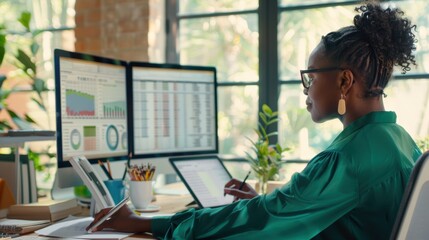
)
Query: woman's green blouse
[{"x": 352, "y": 190}]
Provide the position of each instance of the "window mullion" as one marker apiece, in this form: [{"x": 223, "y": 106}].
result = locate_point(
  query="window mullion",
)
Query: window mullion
[
  {"x": 268, "y": 56},
  {"x": 171, "y": 31}
]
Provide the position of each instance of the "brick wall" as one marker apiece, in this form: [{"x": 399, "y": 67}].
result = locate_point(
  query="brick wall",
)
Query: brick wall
[{"x": 111, "y": 28}]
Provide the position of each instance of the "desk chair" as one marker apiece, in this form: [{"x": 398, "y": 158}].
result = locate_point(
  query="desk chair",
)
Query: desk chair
[{"x": 412, "y": 221}]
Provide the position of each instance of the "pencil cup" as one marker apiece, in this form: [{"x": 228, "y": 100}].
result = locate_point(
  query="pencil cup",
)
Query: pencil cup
[
  {"x": 116, "y": 188},
  {"x": 141, "y": 193}
]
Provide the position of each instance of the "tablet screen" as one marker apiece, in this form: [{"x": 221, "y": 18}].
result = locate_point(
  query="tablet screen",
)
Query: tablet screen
[{"x": 205, "y": 178}]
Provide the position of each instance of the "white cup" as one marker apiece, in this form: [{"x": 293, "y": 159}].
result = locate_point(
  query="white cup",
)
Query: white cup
[{"x": 141, "y": 193}]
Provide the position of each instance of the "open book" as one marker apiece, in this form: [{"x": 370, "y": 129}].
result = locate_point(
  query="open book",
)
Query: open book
[{"x": 98, "y": 189}]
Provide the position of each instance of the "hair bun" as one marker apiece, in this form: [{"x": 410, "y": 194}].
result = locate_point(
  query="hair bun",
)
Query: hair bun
[{"x": 388, "y": 32}]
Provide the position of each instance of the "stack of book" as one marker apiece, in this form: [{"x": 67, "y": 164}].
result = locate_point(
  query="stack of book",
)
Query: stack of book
[
  {"x": 52, "y": 210},
  {"x": 28, "y": 184},
  {"x": 13, "y": 227},
  {"x": 24, "y": 218}
]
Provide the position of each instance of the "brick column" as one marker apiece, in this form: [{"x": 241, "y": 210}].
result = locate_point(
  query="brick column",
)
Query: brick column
[{"x": 111, "y": 28}]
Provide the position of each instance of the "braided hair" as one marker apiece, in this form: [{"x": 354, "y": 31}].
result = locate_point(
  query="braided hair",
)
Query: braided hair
[{"x": 379, "y": 40}]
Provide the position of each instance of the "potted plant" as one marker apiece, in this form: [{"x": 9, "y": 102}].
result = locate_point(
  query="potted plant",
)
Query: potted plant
[
  {"x": 423, "y": 143},
  {"x": 19, "y": 50},
  {"x": 265, "y": 157}
]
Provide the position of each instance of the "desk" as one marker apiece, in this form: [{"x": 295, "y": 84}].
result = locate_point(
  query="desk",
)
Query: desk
[{"x": 168, "y": 204}]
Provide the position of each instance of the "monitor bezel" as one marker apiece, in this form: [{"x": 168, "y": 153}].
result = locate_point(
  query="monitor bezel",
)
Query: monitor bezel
[
  {"x": 131, "y": 106},
  {"x": 60, "y": 53}
]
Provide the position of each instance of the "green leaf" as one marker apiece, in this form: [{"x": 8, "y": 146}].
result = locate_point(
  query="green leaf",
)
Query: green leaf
[
  {"x": 272, "y": 121},
  {"x": 26, "y": 61},
  {"x": 272, "y": 172},
  {"x": 39, "y": 85},
  {"x": 264, "y": 133},
  {"x": 41, "y": 105},
  {"x": 4, "y": 94},
  {"x": 12, "y": 114},
  {"x": 24, "y": 19},
  {"x": 267, "y": 110},
  {"x": 263, "y": 118},
  {"x": 2, "y": 79},
  {"x": 5, "y": 125},
  {"x": 34, "y": 48},
  {"x": 29, "y": 119},
  {"x": 248, "y": 138},
  {"x": 2, "y": 47},
  {"x": 272, "y": 134}
]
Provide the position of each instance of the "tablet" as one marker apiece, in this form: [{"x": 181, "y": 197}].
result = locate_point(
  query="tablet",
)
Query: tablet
[{"x": 205, "y": 178}]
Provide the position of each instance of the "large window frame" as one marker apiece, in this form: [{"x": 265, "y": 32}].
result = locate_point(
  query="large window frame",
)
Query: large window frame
[{"x": 269, "y": 76}]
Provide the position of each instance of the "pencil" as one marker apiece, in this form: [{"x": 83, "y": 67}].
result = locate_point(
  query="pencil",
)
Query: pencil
[
  {"x": 105, "y": 170},
  {"x": 127, "y": 166},
  {"x": 108, "y": 168},
  {"x": 244, "y": 181}
]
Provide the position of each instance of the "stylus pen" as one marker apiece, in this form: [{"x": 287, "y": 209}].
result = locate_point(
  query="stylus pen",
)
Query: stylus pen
[
  {"x": 127, "y": 165},
  {"x": 244, "y": 181},
  {"x": 109, "y": 214}
]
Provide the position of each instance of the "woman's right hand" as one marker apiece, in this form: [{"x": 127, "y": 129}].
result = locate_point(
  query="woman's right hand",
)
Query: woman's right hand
[
  {"x": 124, "y": 220},
  {"x": 232, "y": 188}
]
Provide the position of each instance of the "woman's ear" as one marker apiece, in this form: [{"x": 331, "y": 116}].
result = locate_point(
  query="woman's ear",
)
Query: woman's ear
[{"x": 347, "y": 80}]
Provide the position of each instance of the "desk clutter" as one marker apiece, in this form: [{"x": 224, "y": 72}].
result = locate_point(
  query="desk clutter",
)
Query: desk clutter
[
  {"x": 6, "y": 198},
  {"x": 141, "y": 187},
  {"x": 25, "y": 218},
  {"x": 53, "y": 210},
  {"x": 27, "y": 180},
  {"x": 142, "y": 172}
]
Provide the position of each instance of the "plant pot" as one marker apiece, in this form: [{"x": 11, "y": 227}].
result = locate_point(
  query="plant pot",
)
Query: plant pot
[{"x": 271, "y": 186}]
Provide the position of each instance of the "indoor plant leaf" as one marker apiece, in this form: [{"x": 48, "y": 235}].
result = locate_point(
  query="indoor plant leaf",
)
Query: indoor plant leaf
[
  {"x": 41, "y": 105},
  {"x": 34, "y": 48},
  {"x": 24, "y": 19},
  {"x": 267, "y": 110},
  {"x": 2, "y": 47},
  {"x": 2, "y": 79},
  {"x": 26, "y": 61}
]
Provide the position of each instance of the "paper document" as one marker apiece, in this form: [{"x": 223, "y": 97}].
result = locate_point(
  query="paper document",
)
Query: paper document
[{"x": 74, "y": 227}]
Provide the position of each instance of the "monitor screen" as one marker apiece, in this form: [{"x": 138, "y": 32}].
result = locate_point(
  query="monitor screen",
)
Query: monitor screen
[
  {"x": 91, "y": 106},
  {"x": 173, "y": 110}
]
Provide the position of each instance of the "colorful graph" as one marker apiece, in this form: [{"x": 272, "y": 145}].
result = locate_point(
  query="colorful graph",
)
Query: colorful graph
[
  {"x": 114, "y": 109},
  {"x": 124, "y": 140},
  {"x": 89, "y": 138},
  {"x": 79, "y": 103},
  {"x": 75, "y": 139},
  {"x": 112, "y": 137}
]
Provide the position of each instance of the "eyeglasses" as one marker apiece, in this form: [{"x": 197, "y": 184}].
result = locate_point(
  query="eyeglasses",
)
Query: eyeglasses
[{"x": 307, "y": 80}]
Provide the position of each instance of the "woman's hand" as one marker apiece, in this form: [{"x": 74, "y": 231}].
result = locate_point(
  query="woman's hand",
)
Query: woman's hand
[
  {"x": 124, "y": 220},
  {"x": 246, "y": 192}
]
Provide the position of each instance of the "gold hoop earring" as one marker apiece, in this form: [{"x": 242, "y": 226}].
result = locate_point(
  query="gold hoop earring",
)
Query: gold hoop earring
[{"x": 342, "y": 105}]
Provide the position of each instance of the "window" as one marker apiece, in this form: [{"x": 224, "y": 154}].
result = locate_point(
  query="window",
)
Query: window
[
  {"x": 56, "y": 21},
  {"x": 237, "y": 38}
]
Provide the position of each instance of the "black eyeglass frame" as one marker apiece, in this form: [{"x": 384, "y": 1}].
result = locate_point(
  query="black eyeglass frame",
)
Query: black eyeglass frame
[{"x": 307, "y": 84}]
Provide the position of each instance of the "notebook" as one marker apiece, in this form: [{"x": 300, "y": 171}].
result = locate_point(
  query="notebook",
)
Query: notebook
[{"x": 205, "y": 178}]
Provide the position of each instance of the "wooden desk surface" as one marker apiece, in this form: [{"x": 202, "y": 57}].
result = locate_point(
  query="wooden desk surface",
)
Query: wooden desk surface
[{"x": 168, "y": 204}]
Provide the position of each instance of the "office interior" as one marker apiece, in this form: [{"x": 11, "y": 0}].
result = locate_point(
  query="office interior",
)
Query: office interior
[{"x": 256, "y": 46}]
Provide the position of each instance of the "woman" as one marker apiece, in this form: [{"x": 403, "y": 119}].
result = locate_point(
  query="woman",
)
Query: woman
[{"x": 352, "y": 190}]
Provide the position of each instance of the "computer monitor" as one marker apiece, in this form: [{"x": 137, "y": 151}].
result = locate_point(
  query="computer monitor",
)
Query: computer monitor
[
  {"x": 91, "y": 110},
  {"x": 111, "y": 109},
  {"x": 173, "y": 110}
]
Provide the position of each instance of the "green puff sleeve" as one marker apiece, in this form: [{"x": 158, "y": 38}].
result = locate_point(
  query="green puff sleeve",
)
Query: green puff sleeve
[{"x": 313, "y": 200}]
